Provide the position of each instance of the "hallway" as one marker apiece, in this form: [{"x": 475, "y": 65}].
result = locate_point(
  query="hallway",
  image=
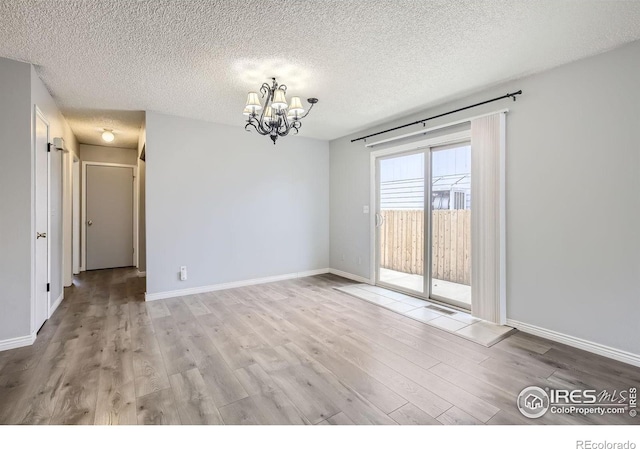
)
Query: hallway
[{"x": 289, "y": 352}]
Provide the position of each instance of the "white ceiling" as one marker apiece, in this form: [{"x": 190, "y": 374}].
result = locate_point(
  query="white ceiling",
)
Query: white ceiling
[{"x": 367, "y": 61}]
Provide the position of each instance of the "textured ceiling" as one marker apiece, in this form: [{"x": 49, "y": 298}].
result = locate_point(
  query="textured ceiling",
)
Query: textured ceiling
[{"x": 367, "y": 61}]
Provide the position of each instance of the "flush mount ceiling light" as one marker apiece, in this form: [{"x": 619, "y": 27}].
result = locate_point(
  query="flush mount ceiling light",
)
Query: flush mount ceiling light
[
  {"x": 107, "y": 135},
  {"x": 275, "y": 118}
]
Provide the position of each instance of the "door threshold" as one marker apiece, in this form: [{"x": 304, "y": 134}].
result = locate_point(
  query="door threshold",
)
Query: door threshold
[{"x": 448, "y": 319}]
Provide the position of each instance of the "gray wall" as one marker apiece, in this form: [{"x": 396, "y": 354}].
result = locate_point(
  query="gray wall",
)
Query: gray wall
[
  {"x": 111, "y": 155},
  {"x": 230, "y": 205},
  {"x": 15, "y": 200},
  {"x": 573, "y": 197},
  {"x": 20, "y": 91}
]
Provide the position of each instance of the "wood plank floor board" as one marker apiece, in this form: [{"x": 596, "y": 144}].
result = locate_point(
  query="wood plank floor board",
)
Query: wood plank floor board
[
  {"x": 358, "y": 380},
  {"x": 76, "y": 400},
  {"x": 157, "y": 309},
  {"x": 175, "y": 353},
  {"x": 288, "y": 352},
  {"x": 242, "y": 412},
  {"x": 304, "y": 388},
  {"x": 116, "y": 401},
  {"x": 339, "y": 419},
  {"x": 192, "y": 399},
  {"x": 139, "y": 314},
  {"x": 223, "y": 387},
  {"x": 22, "y": 359},
  {"x": 272, "y": 406},
  {"x": 429, "y": 402},
  {"x": 195, "y": 305},
  {"x": 456, "y": 416},
  {"x": 44, "y": 390},
  {"x": 503, "y": 418},
  {"x": 158, "y": 408},
  {"x": 148, "y": 365},
  {"x": 351, "y": 402},
  {"x": 409, "y": 414}
]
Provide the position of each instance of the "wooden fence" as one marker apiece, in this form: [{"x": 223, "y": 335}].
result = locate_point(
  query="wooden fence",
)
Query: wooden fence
[{"x": 402, "y": 240}]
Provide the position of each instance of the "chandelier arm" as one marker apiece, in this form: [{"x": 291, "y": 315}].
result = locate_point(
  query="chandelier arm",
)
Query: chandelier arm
[
  {"x": 293, "y": 126},
  {"x": 249, "y": 123},
  {"x": 309, "y": 110},
  {"x": 257, "y": 126},
  {"x": 264, "y": 89}
]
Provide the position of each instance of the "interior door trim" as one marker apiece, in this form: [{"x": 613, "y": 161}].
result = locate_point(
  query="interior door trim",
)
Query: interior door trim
[
  {"x": 83, "y": 227},
  {"x": 37, "y": 113}
]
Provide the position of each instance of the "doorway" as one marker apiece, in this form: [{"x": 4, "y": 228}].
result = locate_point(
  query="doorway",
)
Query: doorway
[
  {"x": 42, "y": 222},
  {"x": 422, "y": 221},
  {"x": 108, "y": 217}
]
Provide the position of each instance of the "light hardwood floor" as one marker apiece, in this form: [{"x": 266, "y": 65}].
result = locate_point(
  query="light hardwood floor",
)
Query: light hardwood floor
[{"x": 290, "y": 352}]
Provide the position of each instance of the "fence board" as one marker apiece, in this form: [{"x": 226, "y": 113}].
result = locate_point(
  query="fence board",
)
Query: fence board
[{"x": 402, "y": 241}]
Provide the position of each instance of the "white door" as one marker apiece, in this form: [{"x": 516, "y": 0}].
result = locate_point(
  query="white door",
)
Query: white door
[
  {"x": 42, "y": 221},
  {"x": 109, "y": 218}
]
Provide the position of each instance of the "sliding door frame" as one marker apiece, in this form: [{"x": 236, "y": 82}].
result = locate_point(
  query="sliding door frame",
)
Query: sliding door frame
[
  {"x": 426, "y": 193},
  {"x": 425, "y": 146}
]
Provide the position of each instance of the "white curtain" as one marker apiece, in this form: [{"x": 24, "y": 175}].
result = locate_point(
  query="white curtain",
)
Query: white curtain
[{"x": 488, "y": 280}]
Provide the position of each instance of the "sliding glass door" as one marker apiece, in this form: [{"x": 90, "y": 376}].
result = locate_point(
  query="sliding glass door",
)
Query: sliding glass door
[
  {"x": 400, "y": 222},
  {"x": 423, "y": 234},
  {"x": 450, "y": 224}
]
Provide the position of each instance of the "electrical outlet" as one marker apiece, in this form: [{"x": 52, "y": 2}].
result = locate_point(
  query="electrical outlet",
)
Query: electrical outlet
[
  {"x": 365, "y": 209},
  {"x": 359, "y": 260},
  {"x": 183, "y": 273},
  {"x": 342, "y": 258}
]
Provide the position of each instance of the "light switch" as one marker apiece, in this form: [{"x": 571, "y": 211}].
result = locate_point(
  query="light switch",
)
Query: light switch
[{"x": 365, "y": 209}]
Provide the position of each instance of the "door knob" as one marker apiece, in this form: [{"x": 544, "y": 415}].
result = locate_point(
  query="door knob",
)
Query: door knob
[
  {"x": 41, "y": 235},
  {"x": 89, "y": 222}
]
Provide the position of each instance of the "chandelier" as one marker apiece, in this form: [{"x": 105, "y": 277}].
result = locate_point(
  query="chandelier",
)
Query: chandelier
[{"x": 275, "y": 118}]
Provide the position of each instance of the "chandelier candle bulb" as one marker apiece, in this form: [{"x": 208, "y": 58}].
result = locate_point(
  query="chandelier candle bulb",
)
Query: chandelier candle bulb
[
  {"x": 268, "y": 115},
  {"x": 296, "y": 106},
  {"x": 279, "y": 100},
  {"x": 253, "y": 102}
]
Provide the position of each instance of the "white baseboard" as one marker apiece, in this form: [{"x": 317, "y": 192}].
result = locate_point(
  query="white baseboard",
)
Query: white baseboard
[
  {"x": 18, "y": 342},
  {"x": 228, "y": 285},
  {"x": 596, "y": 348},
  {"x": 142, "y": 274},
  {"x": 353, "y": 277},
  {"x": 55, "y": 305}
]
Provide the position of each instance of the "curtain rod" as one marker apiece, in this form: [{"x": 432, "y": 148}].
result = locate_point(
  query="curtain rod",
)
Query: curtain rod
[{"x": 509, "y": 95}]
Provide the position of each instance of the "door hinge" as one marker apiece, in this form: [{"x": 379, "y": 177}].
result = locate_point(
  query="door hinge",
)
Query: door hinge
[
  {"x": 49, "y": 148},
  {"x": 48, "y": 287}
]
